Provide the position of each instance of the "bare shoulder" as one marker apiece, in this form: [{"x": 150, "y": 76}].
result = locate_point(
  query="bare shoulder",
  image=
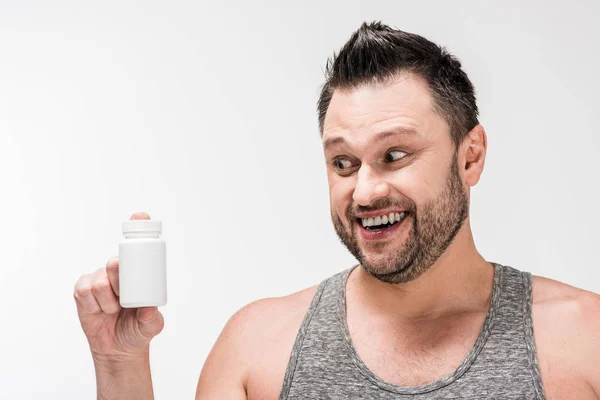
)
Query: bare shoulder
[
  {"x": 548, "y": 289},
  {"x": 563, "y": 303},
  {"x": 255, "y": 345},
  {"x": 566, "y": 322},
  {"x": 271, "y": 315}
]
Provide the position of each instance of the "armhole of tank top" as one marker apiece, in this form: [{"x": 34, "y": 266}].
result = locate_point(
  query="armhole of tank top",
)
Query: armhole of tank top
[
  {"x": 529, "y": 336},
  {"x": 293, "y": 360}
]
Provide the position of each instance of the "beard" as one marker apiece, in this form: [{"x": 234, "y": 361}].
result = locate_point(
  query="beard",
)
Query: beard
[{"x": 432, "y": 230}]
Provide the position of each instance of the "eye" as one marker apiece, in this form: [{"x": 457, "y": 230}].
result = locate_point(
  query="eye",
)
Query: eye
[
  {"x": 394, "y": 155},
  {"x": 341, "y": 164}
]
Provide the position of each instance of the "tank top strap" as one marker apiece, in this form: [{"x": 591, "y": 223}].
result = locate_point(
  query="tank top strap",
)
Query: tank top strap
[
  {"x": 514, "y": 320},
  {"x": 514, "y": 305}
]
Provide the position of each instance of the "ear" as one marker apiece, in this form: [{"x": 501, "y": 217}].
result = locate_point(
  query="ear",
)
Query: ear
[{"x": 474, "y": 149}]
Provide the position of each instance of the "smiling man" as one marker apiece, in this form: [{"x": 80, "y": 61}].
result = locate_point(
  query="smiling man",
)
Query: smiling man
[{"x": 422, "y": 315}]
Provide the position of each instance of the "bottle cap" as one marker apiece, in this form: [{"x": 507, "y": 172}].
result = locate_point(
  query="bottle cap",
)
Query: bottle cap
[{"x": 142, "y": 226}]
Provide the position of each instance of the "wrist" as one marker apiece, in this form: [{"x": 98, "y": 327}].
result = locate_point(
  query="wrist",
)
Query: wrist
[
  {"x": 126, "y": 377},
  {"x": 122, "y": 362},
  {"x": 121, "y": 356}
]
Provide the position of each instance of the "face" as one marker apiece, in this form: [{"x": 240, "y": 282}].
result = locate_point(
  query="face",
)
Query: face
[{"x": 397, "y": 198}]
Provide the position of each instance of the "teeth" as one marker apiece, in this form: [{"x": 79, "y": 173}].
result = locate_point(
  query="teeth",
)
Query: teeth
[{"x": 384, "y": 219}]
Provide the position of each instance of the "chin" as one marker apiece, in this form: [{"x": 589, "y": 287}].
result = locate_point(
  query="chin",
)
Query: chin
[
  {"x": 383, "y": 252},
  {"x": 381, "y": 263},
  {"x": 394, "y": 265}
]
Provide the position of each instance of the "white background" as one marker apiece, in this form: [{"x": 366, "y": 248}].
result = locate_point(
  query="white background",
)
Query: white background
[{"x": 203, "y": 115}]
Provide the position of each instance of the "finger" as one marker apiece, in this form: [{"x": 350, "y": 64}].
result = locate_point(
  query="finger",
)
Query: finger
[
  {"x": 112, "y": 270},
  {"x": 140, "y": 215},
  {"x": 104, "y": 293},
  {"x": 151, "y": 321},
  {"x": 86, "y": 302}
]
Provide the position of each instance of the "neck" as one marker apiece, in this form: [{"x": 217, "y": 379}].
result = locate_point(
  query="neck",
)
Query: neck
[{"x": 459, "y": 281}]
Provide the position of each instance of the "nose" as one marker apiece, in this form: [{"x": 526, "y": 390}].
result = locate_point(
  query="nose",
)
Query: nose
[{"x": 369, "y": 187}]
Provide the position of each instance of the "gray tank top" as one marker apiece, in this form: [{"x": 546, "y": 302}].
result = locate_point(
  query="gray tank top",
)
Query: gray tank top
[{"x": 502, "y": 364}]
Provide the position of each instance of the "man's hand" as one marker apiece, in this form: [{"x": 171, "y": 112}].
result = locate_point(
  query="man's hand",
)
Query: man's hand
[{"x": 119, "y": 338}]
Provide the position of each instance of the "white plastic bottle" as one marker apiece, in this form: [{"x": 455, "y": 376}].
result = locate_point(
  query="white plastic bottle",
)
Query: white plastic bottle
[{"x": 142, "y": 265}]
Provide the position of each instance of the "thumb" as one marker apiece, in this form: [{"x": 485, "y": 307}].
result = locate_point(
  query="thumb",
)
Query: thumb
[{"x": 150, "y": 321}]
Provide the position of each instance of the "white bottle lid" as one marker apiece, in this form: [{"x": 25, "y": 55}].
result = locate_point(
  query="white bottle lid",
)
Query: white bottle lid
[{"x": 142, "y": 226}]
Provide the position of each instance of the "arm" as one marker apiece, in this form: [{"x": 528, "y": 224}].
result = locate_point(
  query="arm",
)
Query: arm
[
  {"x": 590, "y": 306},
  {"x": 250, "y": 357},
  {"x": 129, "y": 379},
  {"x": 225, "y": 371}
]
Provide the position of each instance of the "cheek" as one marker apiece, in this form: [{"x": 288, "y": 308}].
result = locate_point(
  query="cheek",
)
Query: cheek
[
  {"x": 340, "y": 194},
  {"x": 416, "y": 184}
]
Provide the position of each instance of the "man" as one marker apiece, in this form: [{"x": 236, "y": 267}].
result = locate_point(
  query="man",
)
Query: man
[{"x": 423, "y": 315}]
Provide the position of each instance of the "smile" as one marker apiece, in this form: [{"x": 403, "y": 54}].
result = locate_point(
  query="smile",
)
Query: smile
[
  {"x": 384, "y": 227},
  {"x": 382, "y": 221}
]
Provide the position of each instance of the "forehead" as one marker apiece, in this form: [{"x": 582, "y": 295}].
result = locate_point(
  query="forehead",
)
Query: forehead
[{"x": 404, "y": 102}]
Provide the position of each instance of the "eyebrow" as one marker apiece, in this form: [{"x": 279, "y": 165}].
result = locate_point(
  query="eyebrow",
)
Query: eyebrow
[{"x": 399, "y": 131}]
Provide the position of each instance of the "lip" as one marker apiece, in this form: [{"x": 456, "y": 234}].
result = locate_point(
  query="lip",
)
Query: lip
[
  {"x": 379, "y": 213},
  {"x": 384, "y": 234}
]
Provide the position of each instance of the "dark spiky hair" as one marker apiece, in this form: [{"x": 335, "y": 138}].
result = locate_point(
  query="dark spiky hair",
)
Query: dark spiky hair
[{"x": 377, "y": 53}]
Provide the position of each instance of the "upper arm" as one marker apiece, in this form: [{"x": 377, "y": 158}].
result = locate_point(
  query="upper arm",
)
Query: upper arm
[
  {"x": 590, "y": 306},
  {"x": 226, "y": 368},
  {"x": 251, "y": 354},
  {"x": 567, "y": 337}
]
